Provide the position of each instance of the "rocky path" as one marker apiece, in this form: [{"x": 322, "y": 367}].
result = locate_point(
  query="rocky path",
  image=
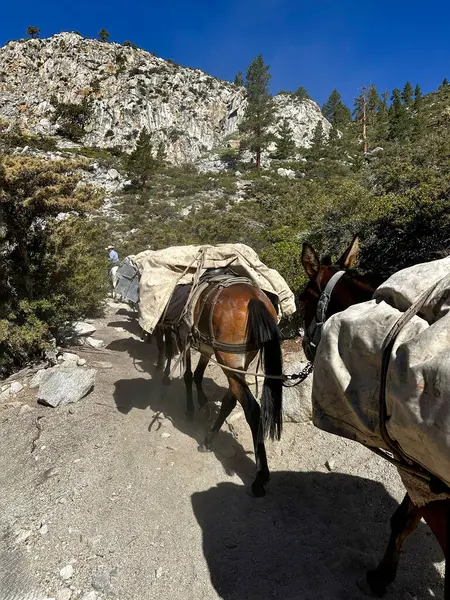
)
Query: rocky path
[{"x": 116, "y": 502}]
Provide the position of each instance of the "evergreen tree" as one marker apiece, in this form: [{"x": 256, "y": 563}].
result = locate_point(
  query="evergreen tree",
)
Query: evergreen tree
[
  {"x": 103, "y": 35},
  {"x": 285, "y": 141},
  {"x": 161, "y": 154},
  {"x": 381, "y": 131},
  {"x": 140, "y": 163},
  {"x": 407, "y": 94},
  {"x": 417, "y": 97},
  {"x": 317, "y": 142},
  {"x": 398, "y": 117},
  {"x": 239, "y": 79},
  {"x": 373, "y": 104},
  {"x": 301, "y": 93},
  {"x": 259, "y": 114},
  {"x": 336, "y": 111},
  {"x": 33, "y": 32}
]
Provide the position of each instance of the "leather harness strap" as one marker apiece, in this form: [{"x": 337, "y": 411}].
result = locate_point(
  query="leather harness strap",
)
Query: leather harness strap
[{"x": 212, "y": 296}]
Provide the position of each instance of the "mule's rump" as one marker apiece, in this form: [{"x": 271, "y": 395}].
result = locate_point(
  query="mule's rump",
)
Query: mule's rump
[{"x": 348, "y": 368}]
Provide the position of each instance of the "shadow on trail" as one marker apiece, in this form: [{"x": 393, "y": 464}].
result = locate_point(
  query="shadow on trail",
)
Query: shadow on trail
[
  {"x": 312, "y": 537},
  {"x": 170, "y": 402}
]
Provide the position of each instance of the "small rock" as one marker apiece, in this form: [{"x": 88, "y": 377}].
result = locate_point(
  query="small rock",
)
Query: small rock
[
  {"x": 16, "y": 387},
  {"x": 83, "y": 329},
  {"x": 113, "y": 174},
  {"x": 158, "y": 572},
  {"x": 101, "y": 580},
  {"x": 121, "y": 329},
  {"x": 24, "y": 409},
  {"x": 90, "y": 596},
  {"x": 70, "y": 357},
  {"x": 93, "y": 343},
  {"x": 330, "y": 464},
  {"x": 43, "y": 530},
  {"x": 81, "y": 362},
  {"x": 6, "y": 395},
  {"x": 64, "y": 594},
  {"x": 66, "y": 573},
  {"x": 286, "y": 173},
  {"x": 165, "y": 434},
  {"x": 23, "y": 535}
]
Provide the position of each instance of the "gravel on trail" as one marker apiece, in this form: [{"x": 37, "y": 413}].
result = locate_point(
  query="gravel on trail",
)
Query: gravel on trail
[{"x": 116, "y": 502}]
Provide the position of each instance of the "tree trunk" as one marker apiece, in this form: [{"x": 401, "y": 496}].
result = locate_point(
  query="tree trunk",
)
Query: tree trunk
[{"x": 258, "y": 160}]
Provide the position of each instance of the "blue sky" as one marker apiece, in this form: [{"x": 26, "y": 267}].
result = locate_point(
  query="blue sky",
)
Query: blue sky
[{"x": 320, "y": 44}]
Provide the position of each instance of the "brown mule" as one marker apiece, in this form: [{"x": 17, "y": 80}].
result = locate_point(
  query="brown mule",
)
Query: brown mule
[
  {"x": 235, "y": 324},
  {"x": 353, "y": 288}
]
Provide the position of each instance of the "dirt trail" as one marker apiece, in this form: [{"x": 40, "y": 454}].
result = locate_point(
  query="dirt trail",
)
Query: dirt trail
[{"x": 117, "y": 492}]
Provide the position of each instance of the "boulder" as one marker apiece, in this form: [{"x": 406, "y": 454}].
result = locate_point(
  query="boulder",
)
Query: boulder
[
  {"x": 83, "y": 329},
  {"x": 297, "y": 400},
  {"x": 16, "y": 387},
  {"x": 286, "y": 173},
  {"x": 93, "y": 343},
  {"x": 70, "y": 357},
  {"x": 65, "y": 385}
]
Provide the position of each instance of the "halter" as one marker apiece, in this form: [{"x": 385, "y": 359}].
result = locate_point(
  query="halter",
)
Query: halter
[{"x": 314, "y": 331}]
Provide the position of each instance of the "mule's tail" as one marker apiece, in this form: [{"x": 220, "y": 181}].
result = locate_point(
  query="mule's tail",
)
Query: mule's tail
[{"x": 263, "y": 331}]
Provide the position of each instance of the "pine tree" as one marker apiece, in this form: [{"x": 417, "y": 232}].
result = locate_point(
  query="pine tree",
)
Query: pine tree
[
  {"x": 373, "y": 104},
  {"x": 31, "y": 191},
  {"x": 33, "y": 32},
  {"x": 140, "y": 163},
  {"x": 285, "y": 141},
  {"x": 381, "y": 132},
  {"x": 259, "y": 114},
  {"x": 335, "y": 110},
  {"x": 407, "y": 94},
  {"x": 239, "y": 79},
  {"x": 161, "y": 154},
  {"x": 417, "y": 97},
  {"x": 103, "y": 35},
  {"x": 399, "y": 119},
  {"x": 301, "y": 93},
  {"x": 317, "y": 142}
]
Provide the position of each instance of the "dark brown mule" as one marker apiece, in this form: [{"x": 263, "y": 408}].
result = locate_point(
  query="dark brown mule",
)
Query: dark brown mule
[
  {"x": 243, "y": 317},
  {"x": 352, "y": 289}
]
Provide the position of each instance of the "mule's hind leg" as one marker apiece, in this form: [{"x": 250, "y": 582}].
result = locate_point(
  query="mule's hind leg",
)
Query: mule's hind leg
[
  {"x": 198, "y": 379},
  {"x": 403, "y": 522},
  {"x": 228, "y": 403},
  {"x": 252, "y": 412},
  {"x": 169, "y": 355}
]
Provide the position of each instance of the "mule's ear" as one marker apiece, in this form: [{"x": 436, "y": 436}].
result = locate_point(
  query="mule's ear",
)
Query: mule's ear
[
  {"x": 349, "y": 257},
  {"x": 310, "y": 260}
]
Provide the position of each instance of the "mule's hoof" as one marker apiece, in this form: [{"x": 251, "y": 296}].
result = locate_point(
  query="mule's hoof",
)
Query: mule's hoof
[
  {"x": 372, "y": 585},
  {"x": 256, "y": 490},
  {"x": 204, "y": 448}
]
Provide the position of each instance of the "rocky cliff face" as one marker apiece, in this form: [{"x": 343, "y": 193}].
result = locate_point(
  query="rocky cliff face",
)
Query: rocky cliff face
[{"x": 128, "y": 89}]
